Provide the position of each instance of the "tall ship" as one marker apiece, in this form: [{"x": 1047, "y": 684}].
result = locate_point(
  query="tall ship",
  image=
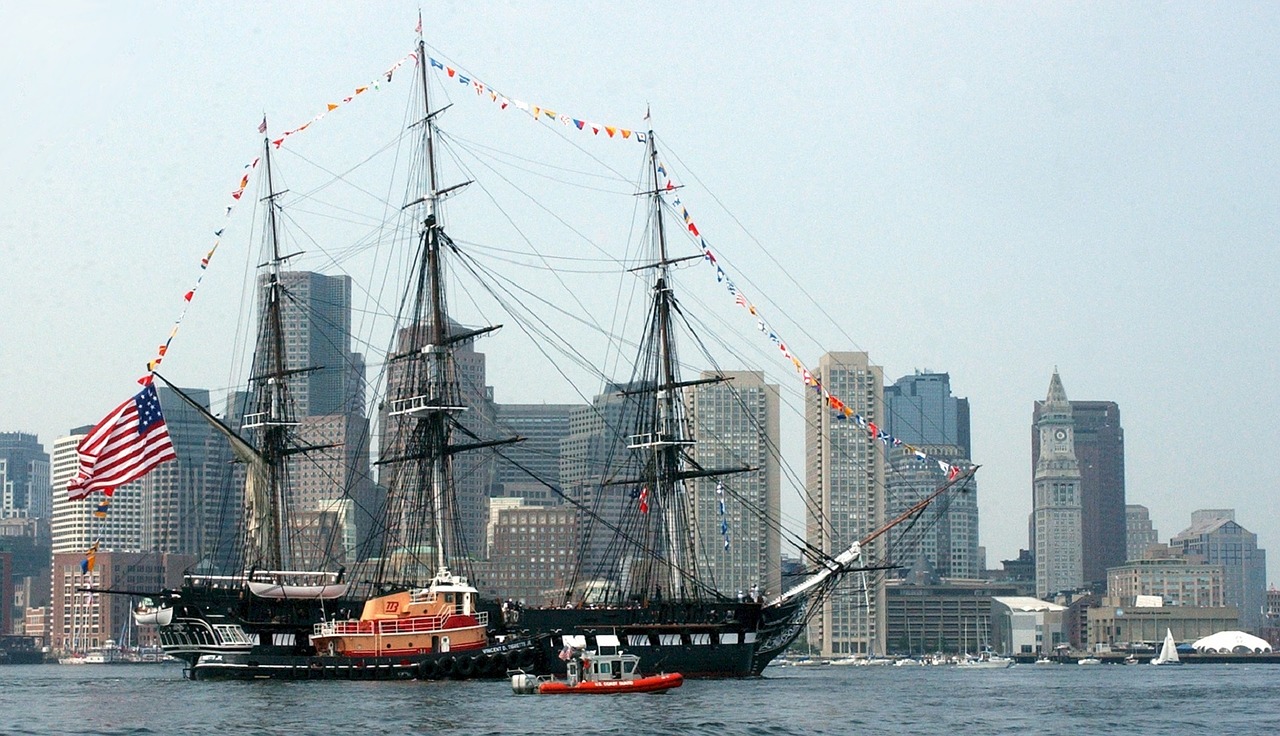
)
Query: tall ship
[{"x": 278, "y": 601}]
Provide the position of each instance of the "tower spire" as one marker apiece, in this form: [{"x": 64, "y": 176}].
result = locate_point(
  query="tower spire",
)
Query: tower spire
[{"x": 1057, "y": 394}]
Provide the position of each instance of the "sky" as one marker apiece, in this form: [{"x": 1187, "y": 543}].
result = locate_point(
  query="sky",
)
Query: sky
[{"x": 987, "y": 189}]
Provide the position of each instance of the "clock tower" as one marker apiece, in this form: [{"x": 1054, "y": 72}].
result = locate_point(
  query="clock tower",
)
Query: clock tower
[{"x": 1056, "y": 510}]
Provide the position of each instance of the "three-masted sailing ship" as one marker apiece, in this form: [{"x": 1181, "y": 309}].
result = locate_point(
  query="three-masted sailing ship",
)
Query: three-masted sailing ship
[{"x": 408, "y": 609}]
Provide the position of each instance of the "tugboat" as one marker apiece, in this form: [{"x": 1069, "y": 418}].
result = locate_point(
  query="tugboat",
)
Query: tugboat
[
  {"x": 607, "y": 671},
  {"x": 441, "y": 619}
]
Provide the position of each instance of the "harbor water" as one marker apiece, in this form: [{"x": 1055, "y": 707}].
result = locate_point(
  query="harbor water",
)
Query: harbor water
[{"x": 1058, "y": 699}]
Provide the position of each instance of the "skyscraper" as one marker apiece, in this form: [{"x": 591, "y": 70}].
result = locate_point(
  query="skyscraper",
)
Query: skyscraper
[
  {"x": 593, "y": 453},
  {"x": 1215, "y": 538},
  {"x": 735, "y": 425},
  {"x": 844, "y": 479},
  {"x": 24, "y": 477},
  {"x": 921, "y": 411},
  {"x": 1056, "y": 516},
  {"x": 531, "y": 469},
  {"x": 184, "y": 503},
  {"x": 316, "y": 325},
  {"x": 1139, "y": 533},
  {"x": 1099, "y": 451},
  {"x": 465, "y": 521},
  {"x": 74, "y": 526},
  {"x": 327, "y": 390}
]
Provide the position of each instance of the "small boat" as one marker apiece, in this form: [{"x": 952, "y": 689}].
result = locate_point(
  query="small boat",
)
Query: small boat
[
  {"x": 608, "y": 671},
  {"x": 1046, "y": 660},
  {"x": 985, "y": 660},
  {"x": 147, "y": 613},
  {"x": 1089, "y": 660},
  {"x": 1168, "y": 650}
]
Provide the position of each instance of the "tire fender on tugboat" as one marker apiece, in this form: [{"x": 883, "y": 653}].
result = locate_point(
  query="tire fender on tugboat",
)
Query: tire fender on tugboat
[
  {"x": 465, "y": 668},
  {"x": 445, "y": 666}
]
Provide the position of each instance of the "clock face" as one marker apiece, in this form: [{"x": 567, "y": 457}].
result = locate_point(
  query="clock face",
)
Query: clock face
[{"x": 1060, "y": 434}]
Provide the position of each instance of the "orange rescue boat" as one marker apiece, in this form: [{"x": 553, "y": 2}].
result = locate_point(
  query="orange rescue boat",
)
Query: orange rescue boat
[{"x": 603, "y": 672}]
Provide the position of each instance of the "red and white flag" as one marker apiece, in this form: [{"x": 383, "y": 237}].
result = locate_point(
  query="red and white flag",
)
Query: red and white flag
[{"x": 126, "y": 445}]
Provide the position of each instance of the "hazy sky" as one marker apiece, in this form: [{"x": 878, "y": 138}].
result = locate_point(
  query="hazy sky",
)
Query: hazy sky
[{"x": 990, "y": 190}]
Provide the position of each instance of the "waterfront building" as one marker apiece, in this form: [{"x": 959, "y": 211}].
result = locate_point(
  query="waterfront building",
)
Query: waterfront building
[
  {"x": 844, "y": 479},
  {"x": 6, "y": 593},
  {"x": 1113, "y": 626},
  {"x": 25, "y": 541},
  {"x": 1139, "y": 533},
  {"x": 1025, "y": 625},
  {"x": 1098, "y": 444},
  {"x": 921, "y": 411},
  {"x": 36, "y": 624},
  {"x": 530, "y": 554},
  {"x": 735, "y": 425},
  {"x": 182, "y": 502},
  {"x": 928, "y": 614},
  {"x": 327, "y": 390},
  {"x": 1178, "y": 582},
  {"x": 81, "y": 620},
  {"x": 1215, "y": 538},
  {"x": 948, "y": 534},
  {"x": 1056, "y": 512},
  {"x": 24, "y": 477}
]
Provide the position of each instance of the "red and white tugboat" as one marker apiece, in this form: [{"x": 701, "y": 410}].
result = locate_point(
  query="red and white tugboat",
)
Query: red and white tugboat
[
  {"x": 607, "y": 671},
  {"x": 439, "y": 618}
]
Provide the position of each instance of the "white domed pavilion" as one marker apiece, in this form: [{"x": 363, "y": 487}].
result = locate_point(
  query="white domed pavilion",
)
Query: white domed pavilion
[{"x": 1231, "y": 642}]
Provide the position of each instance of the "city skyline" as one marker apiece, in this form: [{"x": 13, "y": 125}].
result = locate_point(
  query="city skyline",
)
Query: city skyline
[{"x": 922, "y": 163}]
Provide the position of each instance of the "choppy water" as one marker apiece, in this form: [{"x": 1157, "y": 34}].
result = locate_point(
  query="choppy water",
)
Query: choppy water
[{"x": 1026, "y": 699}]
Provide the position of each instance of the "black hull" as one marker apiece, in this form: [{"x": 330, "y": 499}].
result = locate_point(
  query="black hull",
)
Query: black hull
[
  {"x": 702, "y": 639},
  {"x": 227, "y": 633},
  {"x": 22, "y": 657},
  {"x": 492, "y": 662},
  {"x": 20, "y": 650}
]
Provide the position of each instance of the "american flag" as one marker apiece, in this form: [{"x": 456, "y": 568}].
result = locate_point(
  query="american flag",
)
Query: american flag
[{"x": 126, "y": 445}]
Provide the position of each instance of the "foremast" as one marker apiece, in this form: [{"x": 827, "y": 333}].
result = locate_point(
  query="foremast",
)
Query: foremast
[{"x": 266, "y": 487}]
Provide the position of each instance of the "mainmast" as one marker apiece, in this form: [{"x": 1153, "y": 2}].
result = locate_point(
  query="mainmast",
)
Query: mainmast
[
  {"x": 428, "y": 395},
  {"x": 440, "y": 356}
]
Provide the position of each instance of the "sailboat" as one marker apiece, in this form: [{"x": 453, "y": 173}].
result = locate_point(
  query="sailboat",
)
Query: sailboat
[
  {"x": 411, "y": 610},
  {"x": 1168, "y": 650}
]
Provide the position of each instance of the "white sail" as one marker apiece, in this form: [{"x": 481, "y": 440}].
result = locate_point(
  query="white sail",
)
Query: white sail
[{"x": 1168, "y": 650}]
